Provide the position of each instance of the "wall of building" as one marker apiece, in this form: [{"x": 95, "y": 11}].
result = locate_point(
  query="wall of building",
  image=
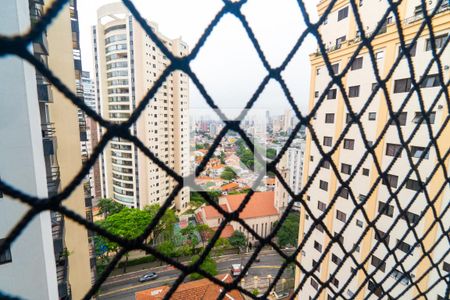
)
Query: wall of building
[
  {"x": 65, "y": 116},
  {"x": 22, "y": 165}
]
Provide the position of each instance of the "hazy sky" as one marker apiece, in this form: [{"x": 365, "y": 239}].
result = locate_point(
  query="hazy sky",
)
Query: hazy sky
[{"x": 228, "y": 64}]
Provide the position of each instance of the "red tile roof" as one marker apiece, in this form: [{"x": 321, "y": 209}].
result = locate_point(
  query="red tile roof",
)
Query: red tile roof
[
  {"x": 261, "y": 204},
  {"x": 212, "y": 213},
  {"x": 227, "y": 231},
  {"x": 202, "y": 289},
  {"x": 229, "y": 186}
]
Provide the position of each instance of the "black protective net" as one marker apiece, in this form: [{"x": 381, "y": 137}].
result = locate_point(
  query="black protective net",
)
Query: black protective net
[{"x": 18, "y": 46}]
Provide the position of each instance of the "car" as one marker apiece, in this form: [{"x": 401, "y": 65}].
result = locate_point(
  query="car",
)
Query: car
[
  {"x": 236, "y": 269},
  {"x": 148, "y": 276}
]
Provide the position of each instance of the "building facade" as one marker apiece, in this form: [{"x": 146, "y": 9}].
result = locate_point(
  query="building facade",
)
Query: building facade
[
  {"x": 259, "y": 213},
  {"x": 127, "y": 63},
  {"x": 341, "y": 38},
  {"x": 43, "y": 155}
]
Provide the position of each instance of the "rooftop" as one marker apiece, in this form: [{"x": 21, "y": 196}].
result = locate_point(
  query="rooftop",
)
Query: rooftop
[{"x": 202, "y": 289}]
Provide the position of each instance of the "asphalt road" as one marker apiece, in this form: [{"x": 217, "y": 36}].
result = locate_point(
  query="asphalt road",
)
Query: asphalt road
[{"x": 125, "y": 285}]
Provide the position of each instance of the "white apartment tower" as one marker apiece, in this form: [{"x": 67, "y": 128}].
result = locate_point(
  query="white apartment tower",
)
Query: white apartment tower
[
  {"x": 127, "y": 63},
  {"x": 341, "y": 38}
]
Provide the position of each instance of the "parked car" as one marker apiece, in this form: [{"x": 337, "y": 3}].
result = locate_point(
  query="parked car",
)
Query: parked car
[{"x": 148, "y": 276}]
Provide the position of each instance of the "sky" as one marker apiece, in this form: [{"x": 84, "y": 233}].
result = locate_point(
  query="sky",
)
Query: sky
[{"x": 228, "y": 65}]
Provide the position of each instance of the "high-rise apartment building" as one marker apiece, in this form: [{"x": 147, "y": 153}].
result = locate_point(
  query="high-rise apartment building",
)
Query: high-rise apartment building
[
  {"x": 341, "y": 38},
  {"x": 291, "y": 168},
  {"x": 127, "y": 63},
  {"x": 52, "y": 258}
]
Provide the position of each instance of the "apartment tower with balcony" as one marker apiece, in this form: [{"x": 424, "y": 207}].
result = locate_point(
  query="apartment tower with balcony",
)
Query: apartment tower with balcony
[
  {"x": 127, "y": 64},
  {"x": 341, "y": 38},
  {"x": 41, "y": 155}
]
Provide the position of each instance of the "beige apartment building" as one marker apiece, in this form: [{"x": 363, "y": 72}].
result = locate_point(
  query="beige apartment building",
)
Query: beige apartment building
[
  {"x": 127, "y": 64},
  {"x": 341, "y": 38}
]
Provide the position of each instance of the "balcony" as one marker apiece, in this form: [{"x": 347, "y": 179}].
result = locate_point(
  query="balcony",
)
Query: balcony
[
  {"x": 53, "y": 180},
  {"x": 49, "y": 138},
  {"x": 44, "y": 93}
]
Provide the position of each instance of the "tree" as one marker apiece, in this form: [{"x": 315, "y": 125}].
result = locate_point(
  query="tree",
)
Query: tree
[
  {"x": 208, "y": 265},
  {"x": 130, "y": 223},
  {"x": 191, "y": 234},
  {"x": 228, "y": 174},
  {"x": 167, "y": 248},
  {"x": 288, "y": 233},
  {"x": 108, "y": 207},
  {"x": 238, "y": 239},
  {"x": 271, "y": 153}
]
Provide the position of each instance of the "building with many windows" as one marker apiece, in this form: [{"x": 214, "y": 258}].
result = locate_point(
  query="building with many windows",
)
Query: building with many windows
[
  {"x": 127, "y": 64},
  {"x": 41, "y": 155},
  {"x": 341, "y": 38}
]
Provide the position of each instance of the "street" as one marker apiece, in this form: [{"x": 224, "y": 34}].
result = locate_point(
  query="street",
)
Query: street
[{"x": 125, "y": 285}]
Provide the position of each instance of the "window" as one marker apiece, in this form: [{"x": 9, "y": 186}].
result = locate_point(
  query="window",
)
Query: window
[
  {"x": 410, "y": 217},
  {"x": 1, "y": 194},
  {"x": 385, "y": 209},
  {"x": 335, "y": 68},
  {"x": 321, "y": 206},
  {"x": 391, "y": 180},
  {"x": 346, "y": 169},
  {"x": 446, "y": 267},
  {"x": 348, "y": 118},
  {"x": 349, "y": 144},
  {"x": 379, "y": 55},
  {"x": 319, "y": 227},
  {"x": 359, "y": 223},
  {"x": 372, "y": 116},
  {"x": 381, "y": 236},
  {"x": 325, "y": 164},
  {"x": 412, "y": 184},
  {"x": 378, "y": 263},
  {"x": 317, "y": 246},
  {"x": 374, "y": 86},
  {"x": 401, "y": 119},
  {"x": 357, "y": 63},
  {"x": 418, "y": 118},
  {"x": 343, "y": 13},
  {"x": 335, "y": 259},
  {"x": 317, "y": 71},
  {"x": 402, "y": 246},
  {"x": 412, "y": 51},
  {"x": 5, "y": 257},
  {"x": 365, "y": 172},
  {"x": 405, "y": 279},
  {"x": 323, "y": 185},
  {"x": 430, "y": 81},
  {"x": 340, "y": 41},
  {"x": 393, "y": 150},
  {"x": 439, "y": 42},
  {"x": 343, "y": 192},
  {"x": 353, "y": 91},
  {"x": 362, "y": 197},
  {"x": 335, "y": 282},
  {"x": 402, "y": 85},
  {"x": 329, "y": 118},
  {"x": 375, "y": 288},
  {"x": 314, "y": 284},
  {"x": 340, "y": 237},
  {"x": 314, "y": 264},
  {"x": 332, "y": 93},
  {"x": 341, "y": 216},
  {"x": 418, "y": 152},
  {"x": 327, "y": 140},
  {"x": 316, "y": 94}
]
